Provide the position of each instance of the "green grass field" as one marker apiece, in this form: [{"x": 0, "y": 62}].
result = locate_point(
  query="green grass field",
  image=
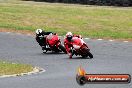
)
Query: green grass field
[
  {"x": 91, "y": 21},
  {"x": 7, "y": 68}
]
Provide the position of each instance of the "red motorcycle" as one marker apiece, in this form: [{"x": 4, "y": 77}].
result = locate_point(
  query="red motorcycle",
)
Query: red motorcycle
[
  {"x": 79, "y": 47},
  {"x": 54, "y": 43}
]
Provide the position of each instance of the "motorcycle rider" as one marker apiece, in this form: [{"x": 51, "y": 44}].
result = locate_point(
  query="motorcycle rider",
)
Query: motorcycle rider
[
  {"x": 41, "y": 37},
  {"x": 68, "y": 43}
]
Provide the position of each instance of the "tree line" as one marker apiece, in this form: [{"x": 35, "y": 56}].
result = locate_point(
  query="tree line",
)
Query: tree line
[{"x": 94, "y": 2}]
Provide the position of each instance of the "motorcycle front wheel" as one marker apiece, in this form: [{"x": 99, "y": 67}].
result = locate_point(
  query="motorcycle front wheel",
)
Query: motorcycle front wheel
[
  {"x": 62, "y": 48},
  {"x": 90, "y": 54}
]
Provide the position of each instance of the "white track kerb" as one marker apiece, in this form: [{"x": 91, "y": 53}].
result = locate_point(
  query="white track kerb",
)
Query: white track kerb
[{"x": 35, "y": 70}]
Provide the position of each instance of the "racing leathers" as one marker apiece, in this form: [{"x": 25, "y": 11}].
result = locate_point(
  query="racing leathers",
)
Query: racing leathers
[
  {"x": 68, "y": 45},
  {"x": 41, "y": 39}
]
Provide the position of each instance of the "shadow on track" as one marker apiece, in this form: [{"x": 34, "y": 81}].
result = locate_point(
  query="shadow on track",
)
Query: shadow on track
[
  {"x": 78, "y": 58},
  {"x": 52, "y": 53}
]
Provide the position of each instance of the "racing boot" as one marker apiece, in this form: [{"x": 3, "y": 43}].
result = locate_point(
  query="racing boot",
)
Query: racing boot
[
  {"x": 43, "y": 48},
  {"x": 70, "y": 55}
]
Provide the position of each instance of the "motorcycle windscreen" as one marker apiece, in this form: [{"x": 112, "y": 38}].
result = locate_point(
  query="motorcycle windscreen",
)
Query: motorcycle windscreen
[{"x": 77, "y": 43}]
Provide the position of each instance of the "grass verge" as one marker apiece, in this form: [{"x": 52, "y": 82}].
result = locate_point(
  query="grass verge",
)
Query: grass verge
[
  {"x": 91, "y": 21},
  {"x": 7, "y": 68}
]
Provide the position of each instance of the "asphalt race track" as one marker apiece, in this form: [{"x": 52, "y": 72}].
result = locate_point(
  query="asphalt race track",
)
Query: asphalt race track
[{"x": 109, "y": 57}]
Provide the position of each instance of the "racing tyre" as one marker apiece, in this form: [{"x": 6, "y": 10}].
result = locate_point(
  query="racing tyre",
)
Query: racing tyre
[
  {"x": 90, "y": 54},
  {"x": 62, "y": 48}
]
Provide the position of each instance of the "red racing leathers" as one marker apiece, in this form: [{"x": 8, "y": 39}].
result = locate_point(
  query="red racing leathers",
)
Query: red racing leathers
[{"x": 68, "y": 45}]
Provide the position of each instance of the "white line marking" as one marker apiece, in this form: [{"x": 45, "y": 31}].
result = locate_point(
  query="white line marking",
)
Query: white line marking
[
  {"x": 4, "y": 62},
  {"x": 29, "y": 35},
  {"x": 61, "y": 36},
  {"x": 18, "y": 33},
  {"x": 111, "y": 40},
  {"x": 13, "y": 63},
  {"x": 8, "y": 32},
  {"x": 99, "y": 39},
  {"x": 125, "y": 41},
  {"x": 86, "y": 38}
]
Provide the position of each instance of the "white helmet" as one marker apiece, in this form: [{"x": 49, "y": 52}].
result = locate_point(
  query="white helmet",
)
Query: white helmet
[
  {"x": 69, "y": 34},
  {"x": 39, "y": 31}
]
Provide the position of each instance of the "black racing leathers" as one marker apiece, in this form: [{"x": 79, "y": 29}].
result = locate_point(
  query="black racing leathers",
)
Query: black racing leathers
[{"x": 41, "y": 38}]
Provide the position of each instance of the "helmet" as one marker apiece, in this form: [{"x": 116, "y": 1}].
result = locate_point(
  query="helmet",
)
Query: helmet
[
  {"x": 69, "y": 36},
  {"x": 39, "y": 31}
]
